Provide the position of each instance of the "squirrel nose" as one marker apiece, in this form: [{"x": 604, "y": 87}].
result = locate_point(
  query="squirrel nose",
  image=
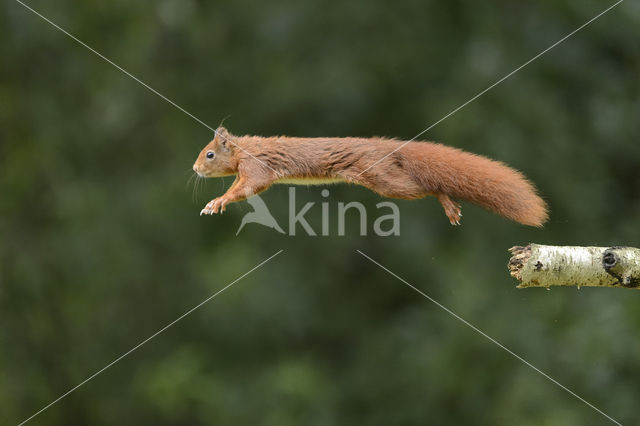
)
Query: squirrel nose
[{"x": 195, "y": 168}]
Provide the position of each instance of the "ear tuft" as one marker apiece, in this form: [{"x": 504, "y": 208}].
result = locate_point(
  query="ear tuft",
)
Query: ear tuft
[{"x": 222, "y": 132}]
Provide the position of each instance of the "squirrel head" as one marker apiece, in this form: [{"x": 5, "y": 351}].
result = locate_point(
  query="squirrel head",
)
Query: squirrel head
[{"x": 216, "y": 159}]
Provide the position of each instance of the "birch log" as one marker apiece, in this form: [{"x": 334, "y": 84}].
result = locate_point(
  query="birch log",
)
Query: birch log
[{"x": 537, "y": 265}]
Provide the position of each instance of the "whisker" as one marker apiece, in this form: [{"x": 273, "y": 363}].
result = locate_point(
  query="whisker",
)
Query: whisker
[
  {"x": 195, "y": 189},
  {"x": 204, "y": 186},
  {"x": 200, "y": 186},
  {"x": 189, "y": 180}
]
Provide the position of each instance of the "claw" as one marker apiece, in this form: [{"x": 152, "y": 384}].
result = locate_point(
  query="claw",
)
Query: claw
[
  {"x": 207, "y": 209},
  {"x": 214, "y": 206}
]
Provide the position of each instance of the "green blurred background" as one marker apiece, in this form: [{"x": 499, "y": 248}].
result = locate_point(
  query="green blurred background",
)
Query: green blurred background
[{"x": 102, "y": 244}]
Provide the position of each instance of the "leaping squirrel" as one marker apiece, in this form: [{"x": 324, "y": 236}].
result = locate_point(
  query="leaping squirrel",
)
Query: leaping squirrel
[{"x": 415, "y": 171}]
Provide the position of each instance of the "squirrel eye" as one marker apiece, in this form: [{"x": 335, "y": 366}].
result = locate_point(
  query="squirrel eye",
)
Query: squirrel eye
[{"x": 210, "y": 155}]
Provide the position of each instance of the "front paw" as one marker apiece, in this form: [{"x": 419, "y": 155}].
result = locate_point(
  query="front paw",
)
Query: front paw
[{"x": 215, "y": 205}]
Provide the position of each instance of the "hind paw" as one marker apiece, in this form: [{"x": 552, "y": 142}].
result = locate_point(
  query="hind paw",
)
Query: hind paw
[{"x": 451, "y": 209}]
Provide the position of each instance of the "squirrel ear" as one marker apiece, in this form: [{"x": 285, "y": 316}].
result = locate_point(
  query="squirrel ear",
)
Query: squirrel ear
[{"x": 223, "y": 137}]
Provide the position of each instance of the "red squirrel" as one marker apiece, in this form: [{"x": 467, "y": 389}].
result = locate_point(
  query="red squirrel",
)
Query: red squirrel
[{"x": 415, "y": 171}]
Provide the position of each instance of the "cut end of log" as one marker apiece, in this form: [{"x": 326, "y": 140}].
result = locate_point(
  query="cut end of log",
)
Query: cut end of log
[{"x": 519, "y": 256}]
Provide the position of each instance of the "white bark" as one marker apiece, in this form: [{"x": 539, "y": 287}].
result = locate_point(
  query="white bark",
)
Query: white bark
[{"x": 544, "y": 266}]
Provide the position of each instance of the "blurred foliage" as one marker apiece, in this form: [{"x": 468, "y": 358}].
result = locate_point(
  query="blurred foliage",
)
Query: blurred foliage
[{"x": 102, "y": 244}]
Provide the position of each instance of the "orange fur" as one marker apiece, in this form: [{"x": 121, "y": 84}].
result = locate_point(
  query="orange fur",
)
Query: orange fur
[{"x": 416, "y": 170}]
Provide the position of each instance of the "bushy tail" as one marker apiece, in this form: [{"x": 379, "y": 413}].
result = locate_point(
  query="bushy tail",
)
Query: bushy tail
[{"x": 479, "y": 180}]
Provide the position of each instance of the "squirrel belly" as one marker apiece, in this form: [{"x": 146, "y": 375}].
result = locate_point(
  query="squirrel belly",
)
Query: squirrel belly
[
  {"x": 309, "y": 181},
  {"x": 416, "y": 170}
]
